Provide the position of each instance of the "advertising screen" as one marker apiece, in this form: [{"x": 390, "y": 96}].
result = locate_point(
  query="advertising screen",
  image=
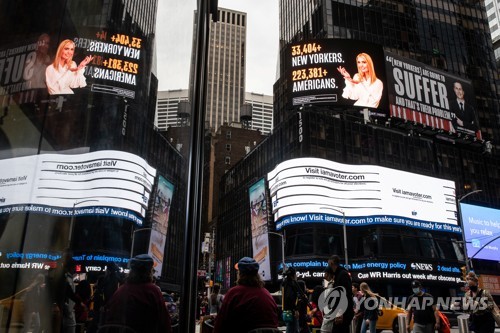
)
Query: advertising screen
[
  {"x": 108, "y": 183},
  {"x": 336, "y": 72},
  {"x": 482, "y": 231},
  {"x": 425, "y": 95},
  {"x": 376, "y": 270},
  {"x": 98, "y": 60},
  {"x": 260, "y": 238},
  {"x": 161, "y": 212},
  {"x": 313, "y": 190}
]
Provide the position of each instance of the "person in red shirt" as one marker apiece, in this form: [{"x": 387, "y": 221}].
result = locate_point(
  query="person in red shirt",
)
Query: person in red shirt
[
  {"x": 138, "y": 303},
  {"x": 248, "y": 305}
]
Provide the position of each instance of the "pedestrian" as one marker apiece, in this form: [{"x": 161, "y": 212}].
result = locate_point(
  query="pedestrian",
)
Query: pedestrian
[
  {"x": 315, "y": 314},
  {"x": 215, "y": 300},
  {"x": 84, "y": 292},
  {"x": 339, "y": 285},
  {"x": 421, "y": 306},
  {"x": 138, "y": 303},
  {"x": 358, "y": 314},
  {"x": 294, "y": 302},
  {"x": 106, "y": 287},
  {"x": 369, "y": 307},
  {"x": 248, "y": 305},
  {"x": 35, "y": 302},
  {"x": 479, "y": 303}
]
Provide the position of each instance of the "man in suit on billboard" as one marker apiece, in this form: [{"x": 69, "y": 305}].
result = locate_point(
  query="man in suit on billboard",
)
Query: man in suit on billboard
[{"x": 465, "y": 115}]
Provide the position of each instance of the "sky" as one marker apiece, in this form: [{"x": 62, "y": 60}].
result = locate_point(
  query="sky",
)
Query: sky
[{"x": 174, "y": 35}]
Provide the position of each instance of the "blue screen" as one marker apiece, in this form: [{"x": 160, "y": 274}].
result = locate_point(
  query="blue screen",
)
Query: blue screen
[{"x": 482, "y": 231}]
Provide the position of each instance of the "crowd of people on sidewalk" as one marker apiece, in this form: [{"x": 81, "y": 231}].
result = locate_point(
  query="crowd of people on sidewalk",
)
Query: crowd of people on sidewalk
[{"x": 136, "y": 303}]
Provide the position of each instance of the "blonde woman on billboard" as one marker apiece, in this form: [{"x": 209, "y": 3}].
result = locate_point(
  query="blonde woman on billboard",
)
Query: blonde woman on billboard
[
  {"x": 364, "y": 87},
  {"x": 63, "y": 74}
]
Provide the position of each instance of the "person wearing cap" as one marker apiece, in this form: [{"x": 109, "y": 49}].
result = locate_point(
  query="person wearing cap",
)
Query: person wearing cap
[
  {"x": 248, "y": 305},
  {"x": 138, "y": 303},
  {"x": 422, "y": 308}
]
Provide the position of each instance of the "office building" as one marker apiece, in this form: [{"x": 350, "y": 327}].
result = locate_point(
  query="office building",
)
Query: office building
[
  {"x": 262, "y": 111},
  {"x": 493, "y": 14},
  {"x": 167, "y": 109},
  {"x": 315, "y": 116},
  {"x": 226, "y": 68}
]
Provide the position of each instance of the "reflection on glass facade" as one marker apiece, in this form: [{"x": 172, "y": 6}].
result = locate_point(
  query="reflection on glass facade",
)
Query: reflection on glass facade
[{"x": 81, "y": 161}]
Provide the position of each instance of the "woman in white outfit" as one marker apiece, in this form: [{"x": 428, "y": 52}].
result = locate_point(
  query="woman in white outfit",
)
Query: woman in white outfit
[
  {"x": 63, "y": 74},
  {"x": 364, "y": 87}
]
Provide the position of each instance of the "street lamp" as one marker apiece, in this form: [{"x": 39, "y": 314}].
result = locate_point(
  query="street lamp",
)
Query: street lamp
[
  {"x": 282, "y": 247},
  {"x": 76, "y": 203},
  {"x": 344, "y": 231},
  {"x": 459, "y": 216}
]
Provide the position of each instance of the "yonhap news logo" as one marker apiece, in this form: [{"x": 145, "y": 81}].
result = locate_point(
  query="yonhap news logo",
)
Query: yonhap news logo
[{"x": 333, "y": 302}]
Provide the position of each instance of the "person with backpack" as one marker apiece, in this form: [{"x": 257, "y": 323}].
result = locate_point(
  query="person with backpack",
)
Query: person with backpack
[
  {"x": 422, "y": 308},
  {"x": 215, "y": 301},
  {"x": 295, "y": 302},
  {"x": 479, "y": 303}
]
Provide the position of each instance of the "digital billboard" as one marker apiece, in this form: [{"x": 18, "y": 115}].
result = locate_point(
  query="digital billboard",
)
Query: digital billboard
[
  {"x": 313, "y": 190},
  {"x": 161, "y": 213},
  {"x": 99, "y": 60},
  {"x": 366, "y": 270},
  {"x": 259, "y": 217},
  {"x": 482, "y": 231},
  {"x": 107, "y": 183},
  {"x": 425, "y": 95},
  {"x": 336, "y": 72}
]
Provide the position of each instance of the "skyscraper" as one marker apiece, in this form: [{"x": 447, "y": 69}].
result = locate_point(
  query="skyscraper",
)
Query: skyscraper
[
  {"x": 493, "y": 14},
  {"x": 262, "y": 111},
  {"x": 449, "y": 36},
  {"x": 226, "y": 69},
  {"x": 167, "y": 108}
]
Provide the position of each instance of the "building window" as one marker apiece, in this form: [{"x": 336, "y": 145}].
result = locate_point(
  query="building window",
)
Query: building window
[
  {"x": 228, "y": 135},
  {"x": 227, "y": 160},
  {"x": 228, "y": 147}
]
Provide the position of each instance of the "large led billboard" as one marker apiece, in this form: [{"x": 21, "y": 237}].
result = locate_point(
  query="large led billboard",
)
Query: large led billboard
[
  {"x": 424, "y": 95},
  {"x": 161, "y": 214},
  {"x": 313, "y": 190},
  {"x": 98, "y": 60},
  {"x": 336, "y": 72},
  {"x": 482, "y": 231},
  {"x": 106, "y": 183},
  {"x": 259, "y": 217}
]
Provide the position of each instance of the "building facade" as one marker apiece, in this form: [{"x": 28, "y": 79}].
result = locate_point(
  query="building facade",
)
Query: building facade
[
  {"x": 86, "y": 168},
  {"x": 167, "y": 108},
  {"x": 449, "y": 37},
  {"x": 262, "y": 111},
  {"x": 226, "y": 68},
  {"x": 493, "y": 14}
]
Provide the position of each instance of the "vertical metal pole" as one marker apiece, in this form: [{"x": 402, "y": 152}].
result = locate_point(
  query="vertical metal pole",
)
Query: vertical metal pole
[
  {"x": 463, "y": 323},
  {"x": 283, "y": 250},
  {"x": 459, "y": 218},
  {"x": 345, "y": 240},
  {"x": 402, "y": 323},
  {"x": 195, "y": 173}
]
